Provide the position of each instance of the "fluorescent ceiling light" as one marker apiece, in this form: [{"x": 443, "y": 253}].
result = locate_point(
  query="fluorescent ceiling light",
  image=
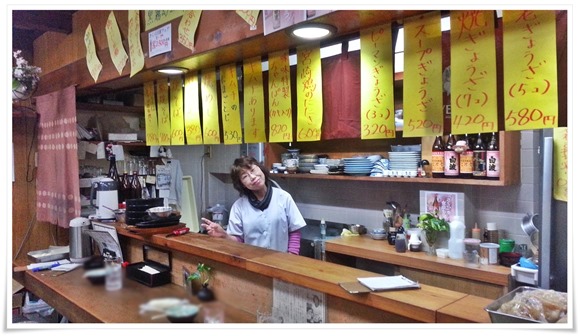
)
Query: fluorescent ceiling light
[
  {"x": 313, "y": 31},
  {"x": 172, "y": 70}
]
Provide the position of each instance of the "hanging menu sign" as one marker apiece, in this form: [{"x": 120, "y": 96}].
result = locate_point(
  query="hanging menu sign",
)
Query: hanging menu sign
[
  {"x": 254, "y": 117},
  {"x": 209, "y": 103},
  {"x": 118, "y": 54},
  {"x": 176, "y": 109},
  {"x": 250, "y": 16},
  {"x": 136, "y": 58},
  {"x": 191, "y": 111},
  {"x": 530, "y": 70},
  {"x": 163, "y": 115},
  {"x": 423, "y": 88},
  {"x": 560, "y": 168},
  {"x": 187, "y": 28},
  {"x": 280, "y": 97},
  {"x": 376, "y": 97},
  {"x": 230, "y": 105},
  {"x": 93, "y": 63},
  {"x": 151, "y": 136},
  {"x": 309, "y": 91},
  {"x": 473, "y": 78}
]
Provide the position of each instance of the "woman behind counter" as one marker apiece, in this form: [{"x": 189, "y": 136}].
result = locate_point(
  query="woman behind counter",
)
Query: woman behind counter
[{"x": 264, "y": 215}]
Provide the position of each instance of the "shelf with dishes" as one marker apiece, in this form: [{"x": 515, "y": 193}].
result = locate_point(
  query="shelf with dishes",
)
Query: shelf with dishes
[{"x": 509, "y": 168}]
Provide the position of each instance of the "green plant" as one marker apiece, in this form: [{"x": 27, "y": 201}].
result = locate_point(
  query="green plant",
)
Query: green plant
[
  {"x": 432, "y": 224},
  {"x": 202, "y": 274}
]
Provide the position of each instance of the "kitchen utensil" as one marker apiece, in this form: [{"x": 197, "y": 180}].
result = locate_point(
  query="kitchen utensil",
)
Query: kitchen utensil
[
  {"x": 81, "y": 246},
  {"x": 358, "y": 229},
  {"x": 160, "y": 212},
  {"x": 106, "y": 197},
  {"x": 184, "y": 313},
  {"x": 528, "y": 224}
]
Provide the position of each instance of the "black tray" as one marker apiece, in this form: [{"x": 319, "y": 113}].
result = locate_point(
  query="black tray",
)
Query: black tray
[{"x": 159, "y": 222}]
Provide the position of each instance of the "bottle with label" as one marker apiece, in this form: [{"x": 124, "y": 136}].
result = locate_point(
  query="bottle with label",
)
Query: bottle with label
[
  {"x": 438, "y": 158},
  {"x": 456, "y": 236},
  {"x": 126, "y": 187},
  {"x": 466, "y": 160},
  {"x": 114, "y": 175},
  {"x": 451, "y": 158},
  {"x": 479, "y": 158},
  {"x": 135, "y": 186},
  {"x": 492, "y": 158}
]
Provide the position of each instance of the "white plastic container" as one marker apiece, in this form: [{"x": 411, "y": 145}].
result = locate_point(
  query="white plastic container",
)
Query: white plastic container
[{"x": 456, "y": 245}]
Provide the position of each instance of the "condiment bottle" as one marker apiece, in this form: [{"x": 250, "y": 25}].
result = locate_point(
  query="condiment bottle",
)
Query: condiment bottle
[
  {"x": 451, "y": 168},
  {"x": 438, "y": 158},
  {"x": 492, "y": 158},
  {"x": 114, "y": 175},
  {"x": 479, "y": 158},
  {"x": 466, "y": 160},
  {"x": 456, "y": 236},
  {"x": 135, "y": 186},
  {"x": 476, "y": 232}
]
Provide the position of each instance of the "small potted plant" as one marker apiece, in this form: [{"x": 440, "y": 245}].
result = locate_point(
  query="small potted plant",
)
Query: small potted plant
[
  {"x": 432, "y": 224},
  {"x": 203, "y": 275}
]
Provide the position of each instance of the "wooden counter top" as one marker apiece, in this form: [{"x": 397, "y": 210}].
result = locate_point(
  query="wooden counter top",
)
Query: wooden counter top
[{"x": 379, "y": 250}]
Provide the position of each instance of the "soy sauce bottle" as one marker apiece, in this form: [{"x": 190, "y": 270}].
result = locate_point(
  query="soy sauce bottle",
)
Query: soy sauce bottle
[
  {"x": 479, "y": 158},
  {"x": 451, "y": 158},
  {"x": 438, "y": 158},
  {"x": 466, "y": 160},
  {"x": 492, "y": 158}
]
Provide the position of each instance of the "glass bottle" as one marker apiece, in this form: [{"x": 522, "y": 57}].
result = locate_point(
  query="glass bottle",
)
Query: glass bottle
[
  {"x": 135, "y": 186},
  {"x": 126, "y": 187},
  {"x": 451, "y": 158},
  {"x": 114, "y": 175},
  {"x": 492, "y": 158},
  {"x": 437, "y": 158},
  {"x": 466, "y": 160},
  {"x": 479, "y": 158}
]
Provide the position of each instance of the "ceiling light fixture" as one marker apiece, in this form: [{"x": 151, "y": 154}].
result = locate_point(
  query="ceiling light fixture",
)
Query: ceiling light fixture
[
  {"x": 313, "y": 31},
  {"x": 172, "y": 70}
]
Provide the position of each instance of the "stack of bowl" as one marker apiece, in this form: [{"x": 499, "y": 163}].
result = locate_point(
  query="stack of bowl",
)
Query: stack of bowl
[
  {"x": 306, "y": 162},
  {"x": 136, "y": 209}
]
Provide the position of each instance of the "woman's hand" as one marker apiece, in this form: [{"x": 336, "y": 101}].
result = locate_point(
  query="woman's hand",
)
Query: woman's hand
[{"x": 213, "y": 229}]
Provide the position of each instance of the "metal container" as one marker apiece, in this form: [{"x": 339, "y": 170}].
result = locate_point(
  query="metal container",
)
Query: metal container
[
  {"x": 81, "y": 244},
  {"x": 499, "y": 317}
]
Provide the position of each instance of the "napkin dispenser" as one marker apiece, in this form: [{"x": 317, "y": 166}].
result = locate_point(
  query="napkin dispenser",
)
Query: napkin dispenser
[{"x": 154, "y": 270}]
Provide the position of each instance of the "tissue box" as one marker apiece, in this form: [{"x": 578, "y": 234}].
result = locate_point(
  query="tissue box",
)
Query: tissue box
[{"x": 156, "y": 260}]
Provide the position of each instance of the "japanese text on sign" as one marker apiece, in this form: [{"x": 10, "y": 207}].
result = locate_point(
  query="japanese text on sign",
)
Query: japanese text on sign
[
  {"x": 309, "y": 92},
  {"x": 160, "y": 40},
  {"x": 250, "y": 16},
  {"x": 135, "y": 50},
  {"x": 230, "y": 105},
  {"x": 191, "y": 111},
  {"x": 187, "y": 28},
  {"x": 280, "y": 103},
  {"x": 377, "y": 102},
  {"x": 151, "y": 136},
  {"x": 530, "y": 71},
  {"x": 473, "y": 78},
  {"x": 163, "y": 114},
  {"x": 93, "y": 63},
  {"x": 560, "y": 164},
  {"x": 422, "y": 88},
  {"x": 176, "y": 110},
  {"x": 118, "y": 54},
  {"x": 254, "y": 117},
  {"x": 209, "y": 103}
]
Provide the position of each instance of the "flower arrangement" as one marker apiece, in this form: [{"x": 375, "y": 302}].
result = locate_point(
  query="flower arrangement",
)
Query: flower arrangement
[
  {"x": 25, "y": 77},
  {"x": 202, "y": 274},
  {"x": 432, "y": 224}
]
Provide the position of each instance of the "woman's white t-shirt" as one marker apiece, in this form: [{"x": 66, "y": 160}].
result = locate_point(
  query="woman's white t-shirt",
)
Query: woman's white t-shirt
[{"x": 268, "y": 228}]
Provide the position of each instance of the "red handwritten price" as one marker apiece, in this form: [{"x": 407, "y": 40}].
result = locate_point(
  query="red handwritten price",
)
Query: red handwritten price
[
  {"x": 212, "y": 134},
  {"x": 233, "y": 136},
  {"x": 164, "y": 138},
  {"x": 478, "y": 119},
  {"x": 377, "y": 129},
  {"x": 178, "y": 135},
  {"x": 418, "y": 124},
  {"x": 276, "y": 129},
  {"x": 309, "y": 133},
  {"x": 526, "y": 115}
]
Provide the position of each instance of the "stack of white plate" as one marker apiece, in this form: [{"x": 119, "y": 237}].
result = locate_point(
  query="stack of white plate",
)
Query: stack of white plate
[
  {"x": 357, "y": 166},
  {"x": 404, "y": 160}
]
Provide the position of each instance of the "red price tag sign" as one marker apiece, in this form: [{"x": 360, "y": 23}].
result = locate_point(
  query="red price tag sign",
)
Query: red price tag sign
[{"x": 211, "y": 130}]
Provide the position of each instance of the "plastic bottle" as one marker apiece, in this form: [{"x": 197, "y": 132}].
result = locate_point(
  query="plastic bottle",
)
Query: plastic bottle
[
  {"x": 456, "y": 235},
  {"x": 476, "y": 232}
]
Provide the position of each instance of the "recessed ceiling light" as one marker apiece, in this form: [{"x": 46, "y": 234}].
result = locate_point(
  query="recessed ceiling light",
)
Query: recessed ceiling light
[
  {"x": 172, "y": 70},
  {"x": 313, "y": 31}
]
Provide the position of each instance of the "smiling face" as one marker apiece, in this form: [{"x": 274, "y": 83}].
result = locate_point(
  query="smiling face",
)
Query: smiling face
[{"x": 253, "y": 178}]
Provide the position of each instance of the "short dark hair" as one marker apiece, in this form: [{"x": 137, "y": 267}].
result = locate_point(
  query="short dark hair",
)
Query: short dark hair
[{"x": 245, "y": 162}]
